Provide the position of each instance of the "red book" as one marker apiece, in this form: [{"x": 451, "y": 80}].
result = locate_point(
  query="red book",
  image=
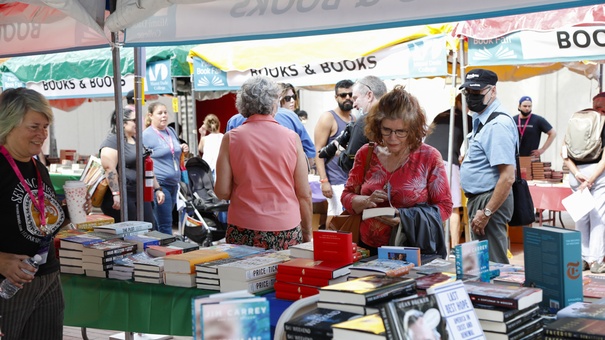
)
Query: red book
[
  {"x": 159, "y": 251},
  {"x": 290, "y": 296},
  {"x": 331, "y": 245},
  {"x": 308, "y": 280},
  {"x": 313, "y": 268},
  {"x": 295, "y": 288}
]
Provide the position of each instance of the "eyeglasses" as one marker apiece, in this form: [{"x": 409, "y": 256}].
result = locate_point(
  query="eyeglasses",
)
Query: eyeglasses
[
  {"x": 289, "y": 98},
  {"x": 345, "y": 95},
  {"x": 465, "y": 92},
  {"x": 129, "y": 120},
  {"x": 368, "y": 86},
  {"x": 386, "y": 132}
]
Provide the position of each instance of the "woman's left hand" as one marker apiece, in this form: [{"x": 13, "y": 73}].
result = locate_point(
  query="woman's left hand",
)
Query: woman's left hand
[
  {"x": 160, "y": 196},
  {"x": 185, "y": 148}
]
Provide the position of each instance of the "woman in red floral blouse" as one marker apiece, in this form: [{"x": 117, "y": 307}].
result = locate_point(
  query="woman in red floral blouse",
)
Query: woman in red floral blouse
[{"x": 403, "y": 171}]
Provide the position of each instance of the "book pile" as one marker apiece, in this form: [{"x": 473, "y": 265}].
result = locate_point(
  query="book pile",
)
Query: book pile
[
  {"x": 316, "y": 324},
  {"x": 537, "y": 170},
  {"x": 363, "y": 295},
  {"x": 333, "y": 254},
  {"x": 70, "y": 249},
  {"x": 148, "y": 269},
  {"x": 179, "y": 270},
  {"x": 506, "y": 311},
  {"x": 525, "y": 167},
  {"x": 234, "y": 315},
  {"x": 254, "y": 273},
  {"x": 98, "y": 258},
  {"x": 123, "y": 266}
]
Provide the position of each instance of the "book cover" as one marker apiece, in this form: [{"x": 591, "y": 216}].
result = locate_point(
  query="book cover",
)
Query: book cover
[
  {"x": 108, "y": 248},
  {"x": 409, "y": 254},
  {"x": 186, "y": 246},
  {"x": 380, "y": 211},
  {"x": 346, "y": 307},
  {"x": 435, "y": 266},
  {"x": 252, "y": 267},
  {"x": 509, "y": 326},
  {"x": 95, "y": 273},
  {"x": 531, "y": 330},
  {"x": 413, "y": 317},
  {"x": 161, "y": 251},
  {"x": 319, "y": 269},
  {"x": 553, "y": 262},
  {"x": 331, "y": 245},
  {"x": 503, "y": 295},
  {"x": 77, "y": 242},
  {"x": 427, "y": 281},
  {"x": 381, "y": 267},
  {"x": 94, "y": 220},
  {"x": 309, "y": 280},
  {"x": 511, "y": 278},
  {"x": 164, "y": 238},
  {"x": 583, "y": 310},
  {"x": 368, "y": 290},
  {"x": 360, "y": 328},
  {"x": 576, "y": 327},
  {"x": 143, "y": 242},
  {"x": 317, "y": 322},
  {"x": 185, "y": 262},
  {"x": 295, "y": 288},
  {"x": 92, "y": 174},
  {"x": 593, "y": 288},
  {"x": 252, "y": 286},
  {"x": 124, "y": 227},
  {"x": 472, "y": 258}
]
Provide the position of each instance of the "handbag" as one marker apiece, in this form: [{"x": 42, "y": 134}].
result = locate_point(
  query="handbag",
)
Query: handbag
[
  {"x": 523, "y": 209},
  {"x": 345, "y": 221}
]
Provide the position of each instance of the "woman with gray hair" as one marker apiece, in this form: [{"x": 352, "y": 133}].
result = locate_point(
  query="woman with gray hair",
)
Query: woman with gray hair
[
  {"x": 262, "y": 169},
  {"x": 31, "y": 215}
]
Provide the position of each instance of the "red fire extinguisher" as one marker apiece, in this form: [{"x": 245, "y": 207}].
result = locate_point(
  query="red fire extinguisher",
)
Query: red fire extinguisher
[{"x": 148, "y": 187}]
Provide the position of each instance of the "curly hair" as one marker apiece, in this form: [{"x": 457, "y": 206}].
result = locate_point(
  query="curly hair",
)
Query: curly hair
[
  {"x": 398, "y": 104},
  {"x": 212, "y": 123},
  {"x": 258, "y": 95}
]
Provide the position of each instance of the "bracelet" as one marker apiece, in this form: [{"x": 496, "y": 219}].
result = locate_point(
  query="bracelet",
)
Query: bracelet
[
  {"x": 323, "y": 180},
  {"x": 157, "y": 189},
  {"x": 115, "y": 193}
]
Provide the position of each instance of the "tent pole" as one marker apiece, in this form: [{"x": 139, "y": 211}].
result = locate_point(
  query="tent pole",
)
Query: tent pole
[
  {"x": 601, "y": 80},
  {"x": 117, "y": 89},
  {"x": 450, "y": 144},
  {"x": 139, "y": 67}
]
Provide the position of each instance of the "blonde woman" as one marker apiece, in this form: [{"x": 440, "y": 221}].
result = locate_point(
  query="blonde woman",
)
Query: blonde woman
[{"x": 210, "y": 141}]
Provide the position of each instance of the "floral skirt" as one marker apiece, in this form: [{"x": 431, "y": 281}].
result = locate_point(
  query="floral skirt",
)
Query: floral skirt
[{"x": 277, "y": 240}]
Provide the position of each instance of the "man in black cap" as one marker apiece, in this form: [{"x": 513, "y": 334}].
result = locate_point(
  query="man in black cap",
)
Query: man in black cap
[
  {"x": 530, "y": 127},
  {"x": 488, "y": 170}
]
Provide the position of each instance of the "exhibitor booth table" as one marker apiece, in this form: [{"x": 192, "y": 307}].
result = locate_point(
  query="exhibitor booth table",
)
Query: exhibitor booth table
[
  {"x": 137, "y": 307},
  {"x": 548, "y": 197}
]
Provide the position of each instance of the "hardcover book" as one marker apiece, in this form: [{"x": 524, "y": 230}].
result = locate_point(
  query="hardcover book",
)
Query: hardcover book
[
  {"x": 108, "y": 248},
  {"x": 409, "y": 317},
  {"x": 290, "y": 296},
  {"x": 576, "y": 328},
  {"x": 249, "y": 268},
  {"x": 102, "y": 260},
  {"x": 143, "y": 242},
  {"x": 347, "y": 307},
  {"x": 319, "y": 269},
  {"x": 295, "y": 288},
  {"x": 145, "y": 279},
  {"x": 203, "y": 269},
  {"x": 317, "y": 323},
  {"x": 309, "y": 280},
  {"x": 409, "y": 254},
  {"x": 186, "y": 246},
  {"x": 164, "y": 238},
  {"x": 553, "y": 262},
  {"x": 529, "y": 331},
  {"x": 381, "y": 267},
  {"x": 185, "y": 262},
  {"x": 495, "y": 313},
  {"x": 376, "y": 212},
  {"x": 124, "y": 227},
  {"x": 503, "y": 295},
  {"x": 472, "y": 258},
  {"x": 334, "y": 246},
  {"x": 365, "y": 327},
  {"x": 593, "y": 288},
  {"x": 368, "y": 290},
  {"x": 77, "y": 242},
  {"x": 161, "y": 251},
  {"x": 252, "y": 286},
  {"x": 509, "y": 326},
  {"x": 583, "y": 310},
  {"x": 427, "y": 281}
]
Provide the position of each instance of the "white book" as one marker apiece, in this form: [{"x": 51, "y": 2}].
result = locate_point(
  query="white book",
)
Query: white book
[
  {"x": 149, "y": 279},
  {"x": 253, "y": 286},
  {"x": 71, "y": 270},
  {"x": 250, "y": 268},
  {"x": 124, "y": 227},
  {"x": 375, "y": 212},
  {"x": 95, "y": 273},
  {"x": 302, "y": 250},
  {"x": 179, "y": 279},
  {"x": 68, "y": 261}
]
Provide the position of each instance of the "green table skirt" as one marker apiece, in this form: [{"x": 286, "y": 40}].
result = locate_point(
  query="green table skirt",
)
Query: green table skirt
[{"x": 59, "y": 179}]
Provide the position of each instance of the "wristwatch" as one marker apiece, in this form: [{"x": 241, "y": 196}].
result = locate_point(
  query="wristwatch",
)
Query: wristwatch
[{"x": 487, "y": 212}]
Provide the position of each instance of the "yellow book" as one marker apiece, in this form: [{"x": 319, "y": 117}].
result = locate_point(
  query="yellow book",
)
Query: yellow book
[{"x": 185, "y": 262}]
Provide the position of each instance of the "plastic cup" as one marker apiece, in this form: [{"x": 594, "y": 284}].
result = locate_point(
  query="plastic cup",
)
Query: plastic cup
[{"x": 75, "y": 194}]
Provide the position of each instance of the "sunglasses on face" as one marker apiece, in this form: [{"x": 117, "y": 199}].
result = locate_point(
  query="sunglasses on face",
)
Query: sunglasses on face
[
  {"x": 290, "y": 98},
  {"x": 345, "y": 95}
]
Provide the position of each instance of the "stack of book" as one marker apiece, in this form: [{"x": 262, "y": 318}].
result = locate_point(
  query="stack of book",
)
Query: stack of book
[
  {"x": 380, "y": 266},
  {"x": 537, "y": 170},
  {"x": 149, "y": 269},
  {"x": 70, "y": 251},
  {"x": 179, "y": 270},
  {"x": 506, "y": 311},
  {"x": 123, "y": 266},
  {"x": 253, "y": 273},
  {"x": 409, "y": 254},
  {"x": 316, "y": 324},
  {"x": 98, "y": 258},
  {"x": 124, "y": 228},
  {"x": 575, "y": 328},
  {"x": 363, "y": 295},
  {"x": 333, "y": 253}
]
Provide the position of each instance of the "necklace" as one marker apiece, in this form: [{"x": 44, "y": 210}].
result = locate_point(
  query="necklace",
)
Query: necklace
[{"x": 400, "y": 163}]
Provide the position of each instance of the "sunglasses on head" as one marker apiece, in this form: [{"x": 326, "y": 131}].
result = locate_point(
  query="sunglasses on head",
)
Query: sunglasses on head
[
  {"x": 289, "y": 98},
  {"x": 345, "y": 95}
]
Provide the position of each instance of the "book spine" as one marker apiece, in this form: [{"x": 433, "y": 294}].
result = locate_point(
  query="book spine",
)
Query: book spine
[
  {"x": 389, "y": 317},
  {"x": 458, "y": 257},
  {"x": 499, "y": 302},
  {"x": 307, "y": 272},
  {"x": 112, "y": 252},
  {"x": 305, "y": 280},
  {"x": 258, "y": 273},
  {"x": 295, "y": 288},
  {"x": 259, "y": 286},
  {"x": 548, "y": 332},
  {"x": 382, "y": 295}
]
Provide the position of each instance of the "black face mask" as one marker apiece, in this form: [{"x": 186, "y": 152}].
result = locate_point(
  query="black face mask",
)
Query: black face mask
[
  {"x": 475, "y": 102},
  {"x": 523, "y": 113}
]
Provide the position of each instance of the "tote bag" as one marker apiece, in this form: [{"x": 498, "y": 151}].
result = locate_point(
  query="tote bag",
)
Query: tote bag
[{"x": 523, "y": 213}]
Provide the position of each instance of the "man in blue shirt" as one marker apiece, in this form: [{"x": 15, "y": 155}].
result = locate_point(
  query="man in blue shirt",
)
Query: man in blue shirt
[{"x": 488, "y": 170}]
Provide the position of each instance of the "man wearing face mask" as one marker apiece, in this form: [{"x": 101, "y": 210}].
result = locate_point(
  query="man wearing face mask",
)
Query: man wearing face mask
[
  {"x": 488, "y": 170},
  {"x": 530, "y": 127}
]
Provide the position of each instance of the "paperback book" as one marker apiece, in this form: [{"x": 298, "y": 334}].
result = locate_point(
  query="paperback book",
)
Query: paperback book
[
  {"x": 368, "y": 290},
  {"x": 109, "y": 248},
  {"x": 365, "y": 327},
  {"x": 378, "y": 212},
  {"x": 408, "y": 317},
  {"x": 503, "y": 295},
  {"x": 249, "y": 268},
  {"x": 472, "y": 258},
  {"x": 252, "y": 286},
  {"x": 164, "y": 238},
  {"x": 124, "y": 227},
  {"x": 185, "y": 262},
  {"x": 317, "y": 323},
  {"x": 509, "y": 326},
  {"x": 161, "y": 251},
  {"x": 409, "y": 254},
  {"x": 381, "y": 267},
  {"x": 143, "y": 242},
  {"x": 94, "y": 220},
  {"x": 529, "y": 331}
]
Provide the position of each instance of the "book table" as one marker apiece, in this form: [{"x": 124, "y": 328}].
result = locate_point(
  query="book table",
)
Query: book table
[
  {"x": 136, "y": 307},
  {"x": 549, "y": 197}
]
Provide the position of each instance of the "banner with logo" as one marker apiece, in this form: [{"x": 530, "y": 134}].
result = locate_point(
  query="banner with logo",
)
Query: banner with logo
[
  {"x": 426, "y": 57},
  {"x": 530, "y": 47}
]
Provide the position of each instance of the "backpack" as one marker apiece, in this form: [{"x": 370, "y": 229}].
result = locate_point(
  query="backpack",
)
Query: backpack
[{"x": 583, "y": 135}]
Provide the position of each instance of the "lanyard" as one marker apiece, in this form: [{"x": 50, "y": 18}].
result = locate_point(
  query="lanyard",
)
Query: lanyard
[
  {"x": 171, "y": 144},
  {"x": 522, "y": 131},
  {"x": 39, "y": 203}
]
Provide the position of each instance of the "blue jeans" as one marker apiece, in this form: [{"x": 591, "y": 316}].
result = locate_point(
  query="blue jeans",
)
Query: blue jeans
[{"x": 163, "y": 212}]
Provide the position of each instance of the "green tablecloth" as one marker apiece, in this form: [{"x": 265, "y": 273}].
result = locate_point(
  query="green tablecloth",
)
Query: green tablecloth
[
  {"x": 128, "y": 306},
  {"x": 59, "y": 179}
]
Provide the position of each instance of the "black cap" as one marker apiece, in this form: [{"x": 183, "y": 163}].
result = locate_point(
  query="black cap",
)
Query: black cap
[
  {"x": 478, "y": 79},
  {"x": 130, "y": 97}
]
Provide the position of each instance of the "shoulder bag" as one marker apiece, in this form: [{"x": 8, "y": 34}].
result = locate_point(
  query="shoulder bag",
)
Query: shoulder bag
[{"x": 345, "y": 221}]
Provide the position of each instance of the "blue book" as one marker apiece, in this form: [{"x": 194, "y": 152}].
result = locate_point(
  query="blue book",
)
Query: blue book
[
  {"x": 472, "y": 258},
  {"x": 553, "y": 262},
  {"x": 409, "y": 254}
]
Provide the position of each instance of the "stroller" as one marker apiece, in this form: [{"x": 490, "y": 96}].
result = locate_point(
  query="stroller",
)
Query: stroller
[{"x": 201, "y": 222}]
